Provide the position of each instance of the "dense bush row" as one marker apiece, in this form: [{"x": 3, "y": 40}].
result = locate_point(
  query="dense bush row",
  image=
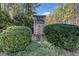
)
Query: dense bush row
[
  {"x": 63, "y": 35},
  {"x": 15, "y": 38}
]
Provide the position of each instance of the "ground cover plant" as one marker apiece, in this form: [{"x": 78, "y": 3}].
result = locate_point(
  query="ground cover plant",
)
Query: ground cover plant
[{"x": 36, "y": 49}]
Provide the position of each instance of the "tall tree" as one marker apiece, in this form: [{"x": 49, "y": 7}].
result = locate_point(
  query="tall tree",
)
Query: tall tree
[
  {"x": 21, "y": 14},
  {"x": 64, "y": 12}
]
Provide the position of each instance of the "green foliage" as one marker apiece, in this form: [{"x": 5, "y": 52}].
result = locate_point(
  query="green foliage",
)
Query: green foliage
[
  {"x": 19, "y": 14},
  {"x": 22, "y": 20},
  {"x": 36, "y": 49},
  {"x": 19, "y": 20},
  {"x": 63, "y": 35},
  {"x": 63, "y": 13},
  {"x": 4, "y": 20},
  {"x": 15, "y": 38}
]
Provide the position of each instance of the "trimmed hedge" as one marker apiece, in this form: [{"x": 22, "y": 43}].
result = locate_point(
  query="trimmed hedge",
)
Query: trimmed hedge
[
  {"x": 15, "y": 38},
  {"x": 63, "y": 35}
]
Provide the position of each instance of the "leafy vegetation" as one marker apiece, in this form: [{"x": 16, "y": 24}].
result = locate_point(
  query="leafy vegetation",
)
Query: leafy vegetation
[
  {"x": 63, "y": 13},
  {"x": 63, "y": 35},
  {"x": 36, "y": 49},
  {"x": 17, "y": 14},
  {"x": 22, "y": 20},
  {"x": 5, "y": 20},
  {"x": 15, "y": 38}
]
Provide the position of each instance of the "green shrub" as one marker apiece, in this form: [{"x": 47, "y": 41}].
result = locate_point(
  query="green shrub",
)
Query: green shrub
[
  {"x": 5, "y": 20},
  {"x": 63, "y": 35},
  {"x": 15, "y": 38},
  {"x": 23, "y": 20}
]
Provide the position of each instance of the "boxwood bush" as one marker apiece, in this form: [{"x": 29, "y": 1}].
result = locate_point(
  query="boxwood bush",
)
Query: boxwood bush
[
  {"x": 15, "y": 38},
  {"x": 63, "y": 35}
]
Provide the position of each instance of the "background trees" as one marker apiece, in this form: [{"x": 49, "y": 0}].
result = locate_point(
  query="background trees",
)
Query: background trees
[
  {"x": 19, "y": 14},
  {"x": 63, "y": 14}
]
